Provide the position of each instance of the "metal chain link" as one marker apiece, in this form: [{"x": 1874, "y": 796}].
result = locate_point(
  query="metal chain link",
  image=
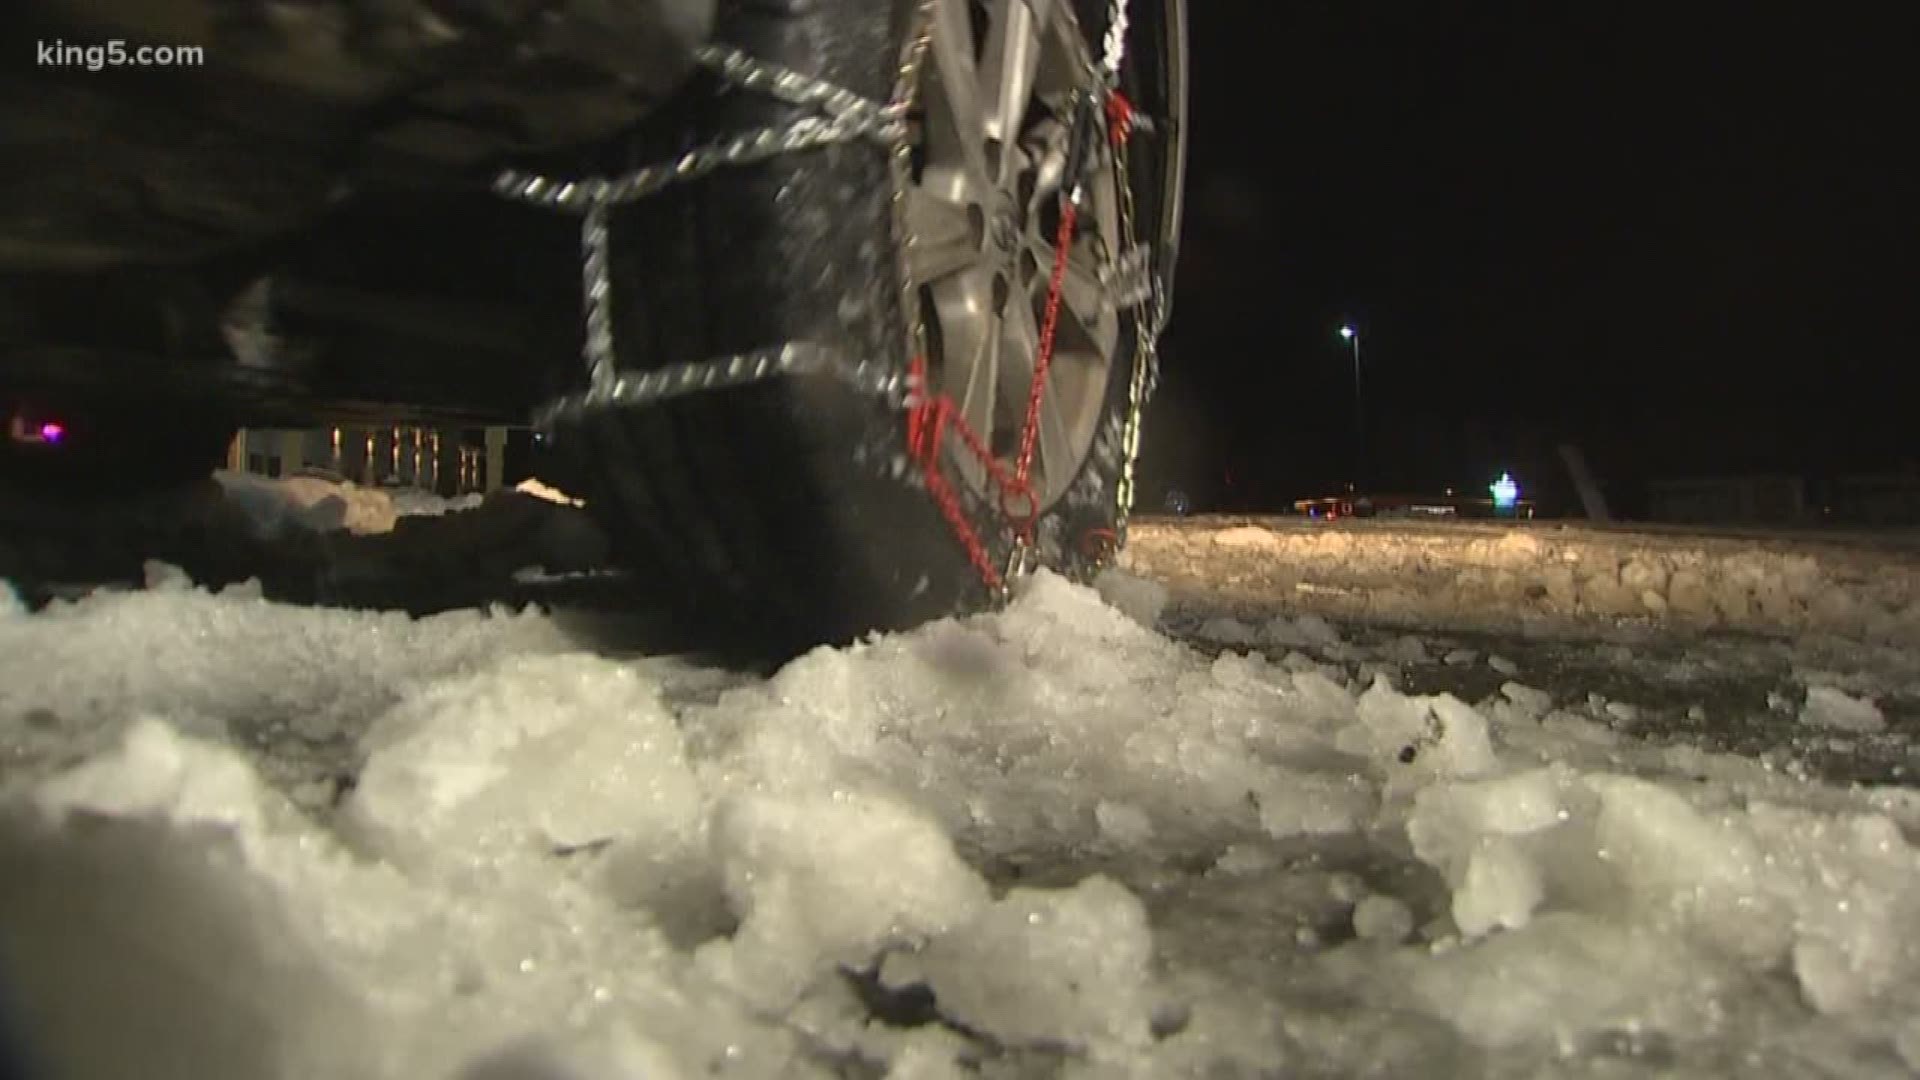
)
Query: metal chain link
[
  {"x": 1115, "y": 46},
  {"x": 913, "y": 59},
  {"x": 876, "y": 378},
  {"x": 850, "y": 117},
  {"x": 1146, "y": 365},
  {"x": 596, "y": 288},
  {"x": 749, "y": 73},
  {"x": 1146, "y": 357}
]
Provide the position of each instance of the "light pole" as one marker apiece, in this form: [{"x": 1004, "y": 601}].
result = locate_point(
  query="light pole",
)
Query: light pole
[{"x": 1352, "y": 337}]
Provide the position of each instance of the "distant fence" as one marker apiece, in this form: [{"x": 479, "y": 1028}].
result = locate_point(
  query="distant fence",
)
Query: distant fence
[
  {"x": 1884, "y": 499},
  {"x": 1861, "y": 499}
]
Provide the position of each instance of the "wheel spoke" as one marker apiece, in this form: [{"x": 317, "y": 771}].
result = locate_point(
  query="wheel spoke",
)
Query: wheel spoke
[
  {"x": 1008, "y": 69},
  {"x": 970, "y": 347},
  {"x": 1020, "y": 335},
  {"x": 941, "y": 240},
  {"x": 1023, "y": 340},
  {"x": 1054, "y": 448},
  {"x": 983, "y": 384},
  {"x": 1050, "y": 157},
  {"x": 957, "y": 121},
  {"x": 1088, "y": 299}
]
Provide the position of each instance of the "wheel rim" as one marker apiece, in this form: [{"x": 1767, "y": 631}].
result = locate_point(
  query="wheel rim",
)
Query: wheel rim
[{"x": 982, "y": 219}]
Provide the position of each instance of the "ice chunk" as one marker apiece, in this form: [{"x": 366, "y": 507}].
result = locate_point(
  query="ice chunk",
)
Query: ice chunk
[
  {"x": 250, "y": 589},
  {"x": 1531, "y": 704},
  {"x": 1407, "y": 650},
  {"x": 1122, "y": 823},
  {"x": 1307, "y": 804},
  {"x": 1676, "y": 867},
  {"x": 1383, "y": 919},
  {"x": 1464, "y": 745},
  {"x": 1563, "y": 975},
  {"x": 1503, "y": 665},
  {"x": 1853, "y": 889},
  {"x": 1451, "y": 821},
  {"x": 1066, "y": 966},
  {"x": 1831, "y": 708},
  {"x": 1500, "y": 889},
  {"x": 1316, "y": 630},
  {"x": 165, "y": 577},
  {"x": 1246, "y": 859},
  {"x": 830, "y": 879},
  {"x": 155, "y": 771},
  {"x": 536, "y": 755},
  {"x": 1302, "y": 632},
  {"x": 1225, "y": 630},
  {"x": 1689, "y": 595},
  {"x": 1249, "y": 539},
  {"x": 1387, "y": 724},
  {"x": 1435, "y": 735},
  {"x": 1141, "y": 599},
  {"x": 930, "y": 1053},
  {"x": 1320, "y": 700}
]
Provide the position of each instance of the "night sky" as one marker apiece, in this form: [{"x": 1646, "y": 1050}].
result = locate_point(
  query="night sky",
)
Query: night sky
[{"x": 1679, "y": 240}]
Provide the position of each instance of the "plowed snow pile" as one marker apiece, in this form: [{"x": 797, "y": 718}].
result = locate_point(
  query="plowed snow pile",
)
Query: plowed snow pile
[
  {"x": 325, "y": 505},
  {"x": 244, "y": 839},
  {"x": 1540, "y": 577}
]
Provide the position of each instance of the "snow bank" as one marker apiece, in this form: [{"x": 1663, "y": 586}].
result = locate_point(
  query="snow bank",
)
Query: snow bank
[
  {"x": 241, "y": 839},
  {"x": 322, "y": 505},
  {"x": 1486, "y": 577}
]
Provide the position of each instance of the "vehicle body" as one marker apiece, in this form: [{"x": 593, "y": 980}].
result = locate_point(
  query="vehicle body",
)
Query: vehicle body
[{"x": 306, "y": 229}]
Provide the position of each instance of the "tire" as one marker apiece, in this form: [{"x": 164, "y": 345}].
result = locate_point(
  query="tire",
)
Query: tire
[{"x": 786, "y": 514}]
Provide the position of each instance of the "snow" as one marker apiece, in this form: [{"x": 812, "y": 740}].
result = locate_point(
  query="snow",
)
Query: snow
[
  {"x": 1524, "y": 576},
  {"x": 1832, "y": 708},
  {"x": 320, "y": 504},
  {"x": 239, "y": 838}
]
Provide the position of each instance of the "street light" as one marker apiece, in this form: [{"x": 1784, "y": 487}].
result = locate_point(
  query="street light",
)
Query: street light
[{"x": 1352, "y": 337}]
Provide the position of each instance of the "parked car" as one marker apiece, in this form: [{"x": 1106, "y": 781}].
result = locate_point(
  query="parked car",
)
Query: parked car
[{"x": 776, "y": 278}]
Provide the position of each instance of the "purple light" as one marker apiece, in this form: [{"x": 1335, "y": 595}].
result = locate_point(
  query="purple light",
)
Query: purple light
[{"x": 52, "y": 432}]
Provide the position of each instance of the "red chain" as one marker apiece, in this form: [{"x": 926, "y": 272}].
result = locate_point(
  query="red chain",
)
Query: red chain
[
  {"x": 927, "y": 420},
  {"x": 929, "y": 415},
  {"x": 1119, "y": 118},
  {"x": 1043, "y": 361}
]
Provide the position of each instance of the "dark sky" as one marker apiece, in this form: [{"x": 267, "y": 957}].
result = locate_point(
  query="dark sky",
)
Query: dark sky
[{"x": 1677, "y": 238}]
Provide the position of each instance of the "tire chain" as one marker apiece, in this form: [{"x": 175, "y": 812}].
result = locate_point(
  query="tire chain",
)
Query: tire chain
[{"x": 848, "y": 117}]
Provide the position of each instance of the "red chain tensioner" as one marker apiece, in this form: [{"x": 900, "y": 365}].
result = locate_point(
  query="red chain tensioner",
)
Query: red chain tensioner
[
  {"x": 929, "y": 414},
  {"x": 1119, "y": 118}
]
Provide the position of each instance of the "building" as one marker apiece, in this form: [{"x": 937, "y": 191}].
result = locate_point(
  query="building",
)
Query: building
[{"x": 1761, "y": 499}]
